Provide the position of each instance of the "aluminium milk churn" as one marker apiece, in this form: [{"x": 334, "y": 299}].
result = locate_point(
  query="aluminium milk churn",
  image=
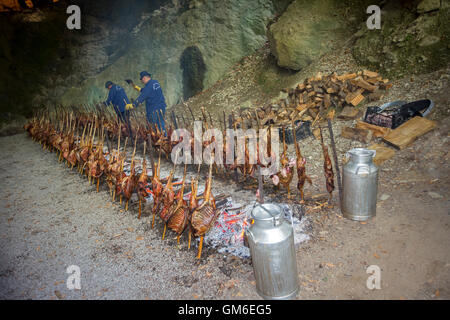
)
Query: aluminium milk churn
[
  {"x": 271, "y": 242},
  {"x": 360, "y": 185}
]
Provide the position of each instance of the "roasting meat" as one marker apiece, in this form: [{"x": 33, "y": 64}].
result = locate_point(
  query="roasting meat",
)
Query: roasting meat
[
  {"x": 142, "y": 184},
  {"x": 287, "y": 172},
  {"x": 157, "y": 188},
  {"x": 205, "y": 215},
  {"x": 328, "y": 169},
  {"x": 300, "y": 165},
  {"x": 179, "y": 218}
]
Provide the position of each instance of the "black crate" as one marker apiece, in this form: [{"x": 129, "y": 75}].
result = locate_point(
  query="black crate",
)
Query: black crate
[{"x": 302, "y": 131}]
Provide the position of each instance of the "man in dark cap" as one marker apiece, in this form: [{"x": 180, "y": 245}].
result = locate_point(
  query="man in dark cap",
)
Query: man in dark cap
[
  {"x": 119, "y": 100},
  {"x": 153, "y": 96}
]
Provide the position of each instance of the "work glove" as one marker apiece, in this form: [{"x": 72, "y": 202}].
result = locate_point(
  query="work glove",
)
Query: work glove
[
  {"x": 131, "y": 83},
  {"x": 129, "y": 106}
]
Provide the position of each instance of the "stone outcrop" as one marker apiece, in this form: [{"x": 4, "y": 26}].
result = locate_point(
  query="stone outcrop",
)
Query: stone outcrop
[{"x": 304, "y": 32}]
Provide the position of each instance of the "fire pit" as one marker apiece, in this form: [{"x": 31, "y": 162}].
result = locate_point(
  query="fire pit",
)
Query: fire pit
[{"x": 228, "y": 233}]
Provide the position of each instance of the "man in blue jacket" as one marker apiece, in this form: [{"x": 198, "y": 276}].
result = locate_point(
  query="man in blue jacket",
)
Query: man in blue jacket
[
  {"x": 119, "y": 100},
  {"x": 154, "y": 99}
]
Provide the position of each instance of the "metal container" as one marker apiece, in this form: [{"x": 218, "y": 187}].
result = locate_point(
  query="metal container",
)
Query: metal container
[
  {"x": 271, "y": 242},
  {"x": 360, "y": 185}
]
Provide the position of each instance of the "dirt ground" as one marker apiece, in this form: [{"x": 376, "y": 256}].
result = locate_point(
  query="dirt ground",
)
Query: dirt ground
[{"x": 52, "y": 218}]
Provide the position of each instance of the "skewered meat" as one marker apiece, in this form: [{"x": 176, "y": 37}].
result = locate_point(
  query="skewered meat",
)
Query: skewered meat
[
  {"x": 286, "y": 174},
  {"x": 205, "y": 215},
  {"x": 301, "y": 169},
  {"x": 179, "y": 218},
  {"x": 113, "y": 169},
  {"x": 128, "y": 185},
  {"x": 329, "y": 175},
  {"x": 193, "y": 205},
  {"x": 167, "y": 199},
  {"x": 328, "y": 169},
  {"x": 117, "y": 172},
  {"x": 72, "y": 157},
  {"x": 129, "y": 182},
  {"x": 142, "y": 183},
  {"x": 157, "y": 188}
]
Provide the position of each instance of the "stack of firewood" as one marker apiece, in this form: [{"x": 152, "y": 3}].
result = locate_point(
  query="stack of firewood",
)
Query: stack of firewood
[{"x": 312, "y": 99}]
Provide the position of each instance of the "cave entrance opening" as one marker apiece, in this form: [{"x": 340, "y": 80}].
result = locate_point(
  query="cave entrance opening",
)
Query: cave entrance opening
[{"x": 193, "y": 66}]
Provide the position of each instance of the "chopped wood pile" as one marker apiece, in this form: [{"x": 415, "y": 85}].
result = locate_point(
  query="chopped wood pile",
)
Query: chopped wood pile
[{"x": 312, "y": 99}]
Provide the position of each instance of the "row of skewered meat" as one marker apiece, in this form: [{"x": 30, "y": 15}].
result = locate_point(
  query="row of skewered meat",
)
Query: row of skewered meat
[
  {"x": 177, "y": 213},
  {"x": 285, "y": 176},
  {"x": 163, "y": 142}
]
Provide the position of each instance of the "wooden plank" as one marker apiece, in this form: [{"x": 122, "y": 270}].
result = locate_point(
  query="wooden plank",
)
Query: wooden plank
[
  {"x": 360, "y": 82},
  {"x": 346, "y": 76},
  {"x": 300, "y": 98},
  {"x": 373, "y": 81},
  {"x": 302, "y": 106},
  {"x": 377, "y": 131},
  {"x": 375, "y": 96},
  {"x": 385, "y": 85},
  {"x": 370, "y": 74},
  {"x": 331, "y": 114},
  {"x": 361, "y": 135},
  {"x": 313, "y": 112},
  {"x": 350, "y": 113},
  {"x": 327, "y": 101},
  {"x": 383, "y": 153},
  {"x": 357, "y": 100},
  {"x": 354, "y": 98},
  {"x": 408, "y": 132},
  {"x": 301, "y": 86},
  {"x": 319, "y": 76}
]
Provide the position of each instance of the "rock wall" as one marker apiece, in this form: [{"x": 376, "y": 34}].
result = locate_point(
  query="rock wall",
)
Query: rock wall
[
  {"x": 304, "y": 32},
  {"x": 40, "y": 57},
  {"x": 411, "y": 40},
  {"x": 222, "y": 31}
]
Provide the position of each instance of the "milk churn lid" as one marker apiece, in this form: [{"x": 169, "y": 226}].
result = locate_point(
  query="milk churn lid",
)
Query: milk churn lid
[
  {"x": 266, "y": 212},
  {"x": 361, "y": 152}
]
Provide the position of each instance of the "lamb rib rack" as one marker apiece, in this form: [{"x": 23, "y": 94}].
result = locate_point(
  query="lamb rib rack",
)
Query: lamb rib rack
[
  {"x": 328, "y": 168},
  {"x": 142, "y": 183},
  {"x": 301, "y": 169},
  {"x": 206, "y": 214},
  {"x": 287, "y": 172},
  {"x": 129, "y": 182},
  {"x": 167, "y": 199},
  {"x": 179, "y": 218},
  {"x": 157, "y": 188}
]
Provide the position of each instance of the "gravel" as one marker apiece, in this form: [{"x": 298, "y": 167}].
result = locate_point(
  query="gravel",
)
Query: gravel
[{"x": 51, "y": 218}]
